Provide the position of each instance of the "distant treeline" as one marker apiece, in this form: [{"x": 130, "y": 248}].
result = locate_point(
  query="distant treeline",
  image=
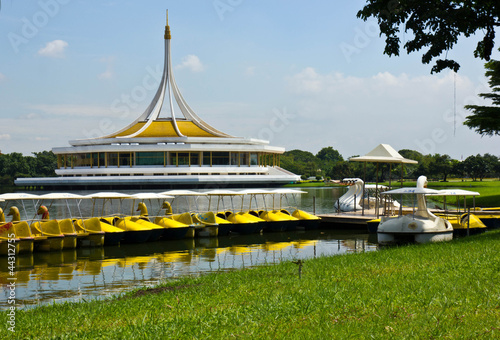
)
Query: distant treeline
[
  {"x": 15, "y": 165},
  {"x": 328, "y": 163}
]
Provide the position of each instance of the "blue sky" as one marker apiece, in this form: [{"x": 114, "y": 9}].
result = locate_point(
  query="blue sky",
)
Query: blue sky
[{"x": 304, "y": 75}]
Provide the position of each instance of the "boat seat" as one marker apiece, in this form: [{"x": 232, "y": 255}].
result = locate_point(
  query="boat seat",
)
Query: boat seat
[
  {"x": 67, "y": 226},
  {"x": 6, "y": 229},
  {"x": 222, "y": 215},
  {"x": 22, "y": 230},
  {"x": 92, "y": 225},
  {"x": 48, "y": 228},
  {"x": 254, "y": 213}
]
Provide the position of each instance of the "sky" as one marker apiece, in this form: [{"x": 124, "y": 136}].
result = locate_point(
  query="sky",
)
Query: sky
[{"x": 303, "y": 75}]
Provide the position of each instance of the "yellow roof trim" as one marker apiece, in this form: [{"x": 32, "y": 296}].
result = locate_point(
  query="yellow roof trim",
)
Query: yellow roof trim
[{"x": 166, "y": 129}]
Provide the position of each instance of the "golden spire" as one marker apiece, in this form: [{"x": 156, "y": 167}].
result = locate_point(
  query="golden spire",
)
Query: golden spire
[{"x": 167, "y": 30}]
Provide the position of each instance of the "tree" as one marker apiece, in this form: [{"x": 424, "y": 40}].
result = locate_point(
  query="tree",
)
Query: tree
[
  {"x": 340, "y": 170},
  {"x": 435, "y": 25},
  {"x": 440, "y": 165},
  {"x": 486, "y": 119},
  {"x": 493, "y": 164},
  {"x": 476, "y": 167},
  {"x": 300, "y": 162},
  {"x": 45, "y": 163},
  {"x": 458, "y": 168},
  {"x": 328, "y": 154}
]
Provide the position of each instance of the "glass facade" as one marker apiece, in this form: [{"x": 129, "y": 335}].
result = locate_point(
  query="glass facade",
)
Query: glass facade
[
  {"x": 125, "y": 158},
  {"x": 149, "y": 158},
  {"x": 220, "y": 158},
  {"x": 195, "y": 158},
  {"x": 254, "y": 159},
  {"x": 207, "y": 158},
  {"x": 183, "y": 158},
  {"x": 112, "y": 159}
]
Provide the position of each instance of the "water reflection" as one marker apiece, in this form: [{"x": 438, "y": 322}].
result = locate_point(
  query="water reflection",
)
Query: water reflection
[{"x": 86, "y": 273}]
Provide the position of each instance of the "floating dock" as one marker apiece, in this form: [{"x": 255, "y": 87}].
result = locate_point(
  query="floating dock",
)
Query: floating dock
[{"x": 357, "y": 219}]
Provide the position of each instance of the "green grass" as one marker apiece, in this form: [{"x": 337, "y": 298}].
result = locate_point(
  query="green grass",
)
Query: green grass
[
  {"x": 449, "y": 290},
  {"x": 489, "y": 191}
]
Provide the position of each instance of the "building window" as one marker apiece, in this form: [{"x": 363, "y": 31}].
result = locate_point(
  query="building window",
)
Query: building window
[
  {"x": 125, "y": 159},
  {"x": 207, "y": 158},
  {"x": 113, "y": 159},
  {"x": 149, "y": 158},
  {"x": 183, "y": 158},
  {"x": 102, "y": 160},
  {"x": 194, "y": 158},
  {"x": 234, "y": 158},
  {"x": 173, "y": 158},
  {"x": 82, "y": 159},
  {"x": 254, "y": 159},
  {"x": 220, "y": 158},
  {"x": 243, "y": 158},
  {"x": 95, "y": 160}
]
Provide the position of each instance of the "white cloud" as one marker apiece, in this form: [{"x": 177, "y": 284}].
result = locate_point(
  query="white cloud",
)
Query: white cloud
[
  {"x": 4, "y": 136},
  {"x": 54, "y": 49},
  {"x": 192, "y": 63},
  {"x": 2, "y": 76},
  {"x": 250, "y": 71},
  {"x": 108, "y": 73},
  {"x": 73, "y": 110}
]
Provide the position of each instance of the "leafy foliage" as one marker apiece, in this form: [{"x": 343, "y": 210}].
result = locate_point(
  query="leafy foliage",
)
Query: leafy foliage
[
  {"x": 486, "y": 119},
  {"x": 14, "y": 165},
  {"x": 435, "y": 25},
  {"x": 328, "y": 162}
]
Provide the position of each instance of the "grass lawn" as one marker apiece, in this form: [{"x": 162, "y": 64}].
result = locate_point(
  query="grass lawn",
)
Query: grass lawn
[
  {"x": 489, "y": 191},
  {"x": 448, "y": 290}
]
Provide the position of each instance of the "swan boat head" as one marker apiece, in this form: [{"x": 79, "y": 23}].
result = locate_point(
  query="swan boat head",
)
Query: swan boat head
[
  {"x": 14, "y": 212},
  {"x": 143, "y": 209},
  {"x": 42, "y": 210}
]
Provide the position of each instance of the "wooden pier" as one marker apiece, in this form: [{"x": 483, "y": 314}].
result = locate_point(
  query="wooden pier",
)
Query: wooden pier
[{"x": 356, "y": 219}]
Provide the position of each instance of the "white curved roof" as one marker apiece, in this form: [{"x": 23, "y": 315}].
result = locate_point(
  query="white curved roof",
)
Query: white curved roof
[
  {"x": 18, "y": 196},
  {"x": 413, "y": 190},
  {"x": 116, "y": 195},
  {"x": 456, "y": 192},
  {"x": 383, "y": 153}
]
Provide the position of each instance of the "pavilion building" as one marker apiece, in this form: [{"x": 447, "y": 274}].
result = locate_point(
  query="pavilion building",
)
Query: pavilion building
[{"x": 156, "y": 151}]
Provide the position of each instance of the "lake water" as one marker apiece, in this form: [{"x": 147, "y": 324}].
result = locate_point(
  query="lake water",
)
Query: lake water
[{"x": 89, "y": 273}]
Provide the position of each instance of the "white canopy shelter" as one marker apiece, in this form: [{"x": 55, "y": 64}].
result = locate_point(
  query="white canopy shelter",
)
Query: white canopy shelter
[
  {"x": 149, "y": 196},
  {"x": 62, "y": 196},
  {"x": 108, "y": 195},
  {"x": 181, "y": 192},
  {"x": 424, "y": 191},
  {"x": 383, "y": 153},
  {"x": 18, "y": 196}
]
